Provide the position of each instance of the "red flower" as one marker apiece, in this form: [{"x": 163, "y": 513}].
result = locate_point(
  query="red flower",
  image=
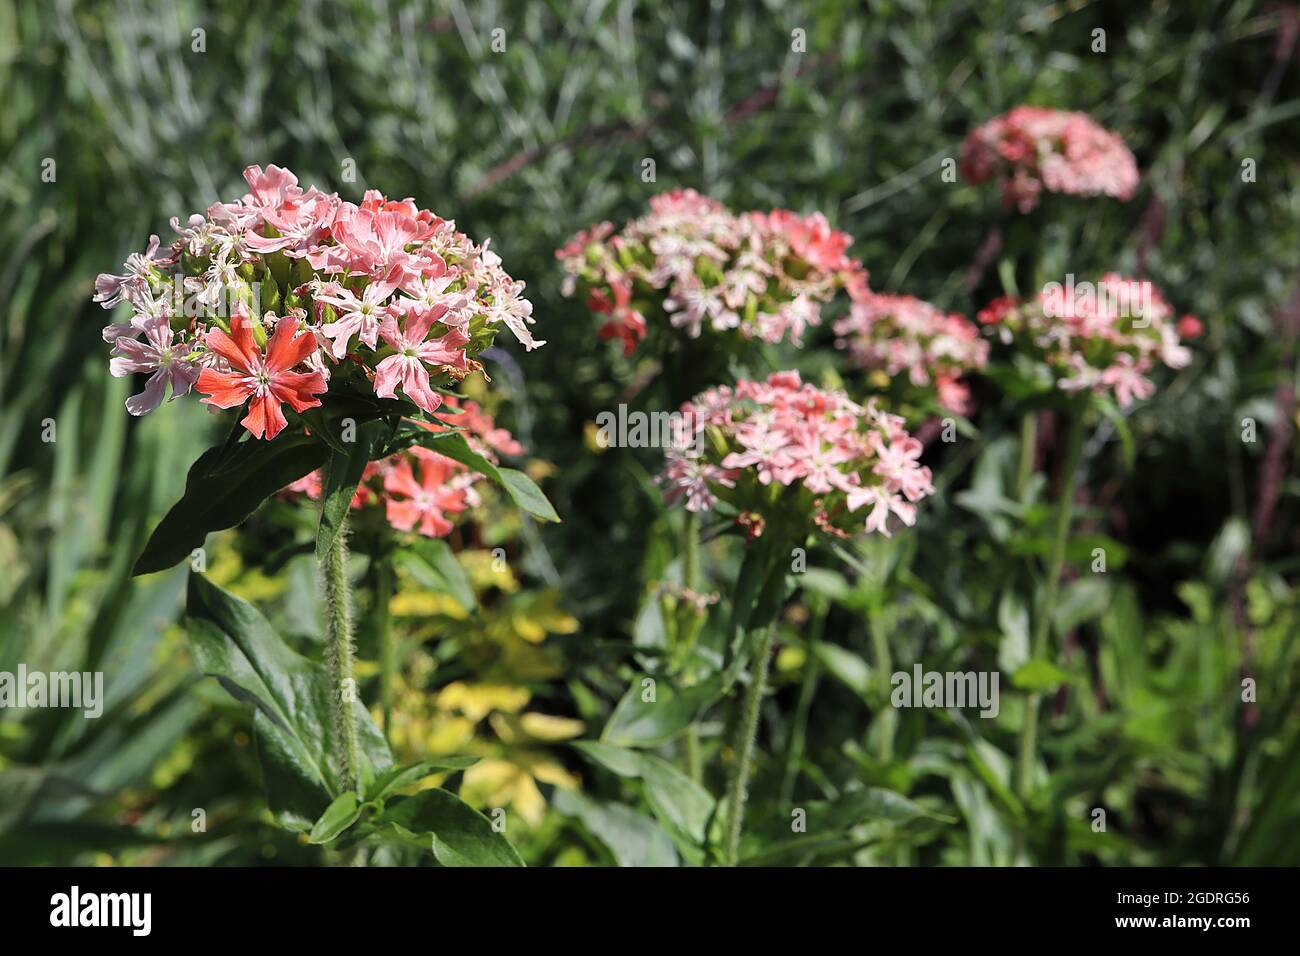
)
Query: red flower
[
  {"x": 1190, "y": 327},
  {"x": 266, "y": 379}
]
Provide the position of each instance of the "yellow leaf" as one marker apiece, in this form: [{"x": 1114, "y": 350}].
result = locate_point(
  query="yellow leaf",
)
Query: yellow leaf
[{"x": 476, "y": 701}]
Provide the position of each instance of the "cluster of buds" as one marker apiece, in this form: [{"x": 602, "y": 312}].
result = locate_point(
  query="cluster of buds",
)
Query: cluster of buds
[
  {"x": 781, "y": 452},
  {"x": 897, "y": 335},
  {"x": 1102, "y": 337},
  {"x": 763, "y": 276},
  {"x": 262, "y": 300},
  {"x": 418, "y": 489},
  {"x": 1031, "y": 150}
]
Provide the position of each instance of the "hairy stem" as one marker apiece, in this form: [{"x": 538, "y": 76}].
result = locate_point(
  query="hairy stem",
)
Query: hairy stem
[
  {"x": 737, "y": 788},
  {"x": 386, "y": 640},
  {"x": 338, "y": 653},
  {"x": 1043, "y": 619}
]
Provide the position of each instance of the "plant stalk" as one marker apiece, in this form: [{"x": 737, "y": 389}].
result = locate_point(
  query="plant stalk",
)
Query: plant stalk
[
  {"x": 1043, "y": 620},
  {"x": 1028, "y": 446},
  {"x": 387, "y": 642},
  {"x": 339, "y": 654},
  {"x": 884, "y": 670},
  {"x": 737, "y": 788},
  {"x": 799, "y": 732}
]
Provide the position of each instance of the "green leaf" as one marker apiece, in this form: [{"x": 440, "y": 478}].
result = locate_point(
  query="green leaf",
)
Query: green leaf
[
  {"x": 636, "y": 722},
  {"x": 221, "y": 491},
  {"x": 632, "y": 838},
  {"x": 519, "y": 486},
  {"x": 457, "y": 833},
  {"x": 296, "y": 740},
  {"x": 343, "y": 472},
  {"x": 673, "y": 796},
  {"x": 1116, "y": 417},
  {"x": 1081, "y": 600},
  {"x": 338, "y": 816},
  {"x": 399, "y": 778},
  {"x": 1039, "y": 675},
  {"x": 435, "y": 565},
  {"x": 527, "y": 495},
  {"x": 845, "y": 666}
]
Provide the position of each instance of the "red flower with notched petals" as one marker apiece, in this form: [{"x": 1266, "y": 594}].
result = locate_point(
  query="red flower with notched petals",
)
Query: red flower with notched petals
[{"x": 266, "y": 379}]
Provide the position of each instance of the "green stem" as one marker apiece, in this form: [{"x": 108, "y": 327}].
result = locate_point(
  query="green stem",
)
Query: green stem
[
  {"x": 737, "y": 788},
  {"x": 691, "y": 569},
  {"x": 688, "y": 625},
  {"x": 387, "y": 642},
  {"x": 1028, "y": 445},
  {"x": 799, "y": 731},
  {"x": 884, "y": 670},
  {"x": 1043, "y": 619},
  {"x": 694, "y": 760},
  {"x": 338, "y": 653}
]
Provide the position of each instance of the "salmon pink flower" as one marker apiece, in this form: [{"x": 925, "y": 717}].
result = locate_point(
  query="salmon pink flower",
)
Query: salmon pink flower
[
  {"x": 1035, "y": 150},
  {"x": 909, "y": 339},
  {"x": 363, "y": 284},
  {"x": 754, "y": 276},
  {"x": 425, "y": 502},
  {"x": 785, "y": 453},
  {"x": 414, "y": 351},
  {"x": 169, "y": 362},
  {"x": 264, "y": 380},
  {"x": 1100, "y": 337},
  {"x": 358, "y": 315}
]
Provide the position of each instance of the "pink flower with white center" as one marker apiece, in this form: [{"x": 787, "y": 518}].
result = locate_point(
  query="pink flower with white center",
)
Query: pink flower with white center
[
  {"x": 300, "y": 225},
  {"x": 765, "y": 450},
  {"x": 788, "y": 455},
  {"x": 111, "y": 289},
  {"x": 432, "y": 290},
  {"x": 899, "y": 467},
  {"x": 414, "y": 351},
  {"x": 157, "y": 353},
  {"x": 358, "y": 315},
  {"x": 883, "y": 503},
  {"x": 690, "y": 304},
  {"x": 817, "y": 463},
  {"x": 690, "y": 478},
  {"x": 515, "y": 312},
  {"x": 373, "y": 243}
]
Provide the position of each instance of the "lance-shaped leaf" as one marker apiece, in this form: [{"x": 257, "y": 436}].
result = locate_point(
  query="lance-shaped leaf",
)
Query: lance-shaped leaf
[
  {"x": 299, "y": 749},
  {"x": 519, "y": 486},
  {"x": 223, "y": 488}
]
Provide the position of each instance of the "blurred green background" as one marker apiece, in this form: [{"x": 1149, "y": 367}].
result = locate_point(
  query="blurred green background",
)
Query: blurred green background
[{"x": 133, "y": 118}]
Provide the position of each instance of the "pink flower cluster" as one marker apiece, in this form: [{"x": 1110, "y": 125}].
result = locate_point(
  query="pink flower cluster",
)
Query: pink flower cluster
[
  {"x": 762, "y": 275},
  {"x": 261, "y": 299},
  {"x": 1098, "y": 337},
  {"x": 897, "y": 334},
  {"x": 1032, "y": 149},
  {"x": 419, "y": 489},
  {"x": 779, "y": 448}
]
